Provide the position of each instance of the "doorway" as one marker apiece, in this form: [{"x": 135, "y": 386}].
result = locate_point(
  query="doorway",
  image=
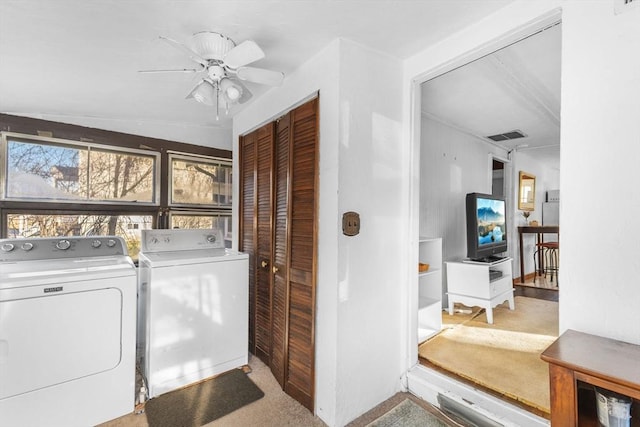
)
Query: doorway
[
  {"x": 497, "y": 177},
  {"x": 484, "y": 107}
]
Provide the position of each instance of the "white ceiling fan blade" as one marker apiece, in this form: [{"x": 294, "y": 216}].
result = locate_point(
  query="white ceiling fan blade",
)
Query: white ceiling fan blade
[
  {"x": 260, "y": 75},
  {"x": 245, "y": 53},
  {"x": 194, "y": 56},
  {"x": 177, "y": 70}
]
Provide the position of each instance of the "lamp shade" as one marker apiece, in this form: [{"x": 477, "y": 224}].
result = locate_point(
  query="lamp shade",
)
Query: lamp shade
[
  {"x": 204, "y": 92},
  {"x": 230, "y": 91}
]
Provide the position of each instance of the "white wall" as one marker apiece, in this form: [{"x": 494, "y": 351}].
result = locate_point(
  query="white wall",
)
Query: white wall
[
  {"x": 600, "y": 149},
  {"x": 370, "y": 182},
  {"x": 600, "y": 142},
  {"x": 358, "y": 320},
  {"x": 452, "y": 164}
]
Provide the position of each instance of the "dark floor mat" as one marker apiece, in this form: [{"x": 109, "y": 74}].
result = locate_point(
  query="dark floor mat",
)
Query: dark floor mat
[{"x": 204, "y": 402}]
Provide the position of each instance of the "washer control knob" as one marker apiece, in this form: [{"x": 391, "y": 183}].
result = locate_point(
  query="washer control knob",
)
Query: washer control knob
[
  {"x": 27, "y": 246},
  {"x": 96, "y": 244},
  {"x": 211, "y": 238},
  {"x": 7, "y": 247},
  {"x": 63, "y": 245},
  {"x": 111, "y": 243}
]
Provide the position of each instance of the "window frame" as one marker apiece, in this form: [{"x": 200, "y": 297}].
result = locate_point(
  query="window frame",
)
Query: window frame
[
  {"x": 4, "y": 165},
  {"x": 219, "y": 161}
]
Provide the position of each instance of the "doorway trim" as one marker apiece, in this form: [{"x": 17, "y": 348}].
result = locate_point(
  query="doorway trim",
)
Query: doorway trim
[{"x": 427, "y": 383}]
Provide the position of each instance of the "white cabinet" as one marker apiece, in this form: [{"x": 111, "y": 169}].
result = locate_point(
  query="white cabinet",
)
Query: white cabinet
[
  {"x": 430, "y": 288},
  {"x": 471, "y": 283}
]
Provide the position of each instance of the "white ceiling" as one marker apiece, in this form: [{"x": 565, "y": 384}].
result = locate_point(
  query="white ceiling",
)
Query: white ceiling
[
  {"x": 77, "y": 60},
  {"x": 515, "y": 88}
]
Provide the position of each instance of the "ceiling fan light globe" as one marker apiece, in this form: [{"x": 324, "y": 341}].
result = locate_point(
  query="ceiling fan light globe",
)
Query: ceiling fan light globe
[
  {"x": 204, "y": 93},
  {"x": 231, "y": 91}
]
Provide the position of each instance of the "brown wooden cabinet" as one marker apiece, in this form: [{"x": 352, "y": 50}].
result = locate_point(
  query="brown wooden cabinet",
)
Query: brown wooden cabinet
[
  {"x": 578, "y": 362},
  {"x": 278, "y": 216}
]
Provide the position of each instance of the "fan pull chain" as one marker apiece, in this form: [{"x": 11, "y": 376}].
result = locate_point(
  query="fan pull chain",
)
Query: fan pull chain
[{"x": 217, "y": 101}]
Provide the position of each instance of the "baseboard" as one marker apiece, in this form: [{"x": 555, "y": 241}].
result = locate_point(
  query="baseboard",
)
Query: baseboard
[{"x": 531, "y": 277}]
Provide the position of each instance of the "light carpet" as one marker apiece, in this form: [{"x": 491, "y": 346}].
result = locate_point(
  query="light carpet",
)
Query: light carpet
[
  {"x": 505, "y": 356},
  {"x": 407, "y": 414}
]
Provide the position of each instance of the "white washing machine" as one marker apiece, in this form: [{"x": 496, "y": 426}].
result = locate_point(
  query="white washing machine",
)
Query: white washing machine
[
  {"x": 193, "y": 312},
  {"x": 67, "y": 331}
]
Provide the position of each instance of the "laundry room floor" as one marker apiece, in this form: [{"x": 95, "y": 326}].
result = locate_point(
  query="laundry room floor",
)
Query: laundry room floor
[{"x": 278, "y": 409}]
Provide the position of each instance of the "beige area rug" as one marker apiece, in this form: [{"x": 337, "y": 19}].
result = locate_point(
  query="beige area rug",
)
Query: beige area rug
[{"x": 505, "y": 356}]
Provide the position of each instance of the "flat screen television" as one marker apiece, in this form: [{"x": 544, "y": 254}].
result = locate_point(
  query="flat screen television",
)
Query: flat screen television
[{"x": 486, "y": 227}]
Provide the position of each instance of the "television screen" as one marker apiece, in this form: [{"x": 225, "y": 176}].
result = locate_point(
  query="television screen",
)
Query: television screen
[
  {"x": 486, "y": 226},
  {"x": 490, "y": 219}
]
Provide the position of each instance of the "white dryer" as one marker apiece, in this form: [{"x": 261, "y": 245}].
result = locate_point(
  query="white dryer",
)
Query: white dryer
[
  {"x": 67, "y": 331},
  {"x": 193, "y": 313}
]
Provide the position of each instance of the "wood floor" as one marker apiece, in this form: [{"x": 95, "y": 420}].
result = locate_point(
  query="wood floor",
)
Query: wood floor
[{"x": 539, "y": 293}]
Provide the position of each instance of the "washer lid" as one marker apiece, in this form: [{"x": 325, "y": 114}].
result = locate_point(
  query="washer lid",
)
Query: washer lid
[
  {"x": 163, "y": 259},
  {"x": 28, "y": 273}
]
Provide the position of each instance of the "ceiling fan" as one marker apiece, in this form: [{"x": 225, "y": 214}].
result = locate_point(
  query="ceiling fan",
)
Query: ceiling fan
[{"x": 224, "y": 66}]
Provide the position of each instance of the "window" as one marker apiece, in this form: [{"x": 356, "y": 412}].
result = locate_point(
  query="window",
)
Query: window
[
  {"x": 56, "y": 187},
  {"x": 61, "y": 171},
  {"x": 199, "y": 181}
]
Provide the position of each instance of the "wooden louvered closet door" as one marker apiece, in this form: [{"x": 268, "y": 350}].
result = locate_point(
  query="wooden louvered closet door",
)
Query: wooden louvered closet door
[
  {"x": 255, "y": 239},
  {"x": 281, "y": 209},
  {"x": 292, "y": 266}
]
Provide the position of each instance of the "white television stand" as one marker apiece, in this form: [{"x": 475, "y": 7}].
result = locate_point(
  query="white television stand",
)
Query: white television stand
[{"x": 469, "y": 283}]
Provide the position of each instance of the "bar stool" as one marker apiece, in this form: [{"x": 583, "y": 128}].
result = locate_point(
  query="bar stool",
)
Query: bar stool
[{"x": 550, "y": 259}]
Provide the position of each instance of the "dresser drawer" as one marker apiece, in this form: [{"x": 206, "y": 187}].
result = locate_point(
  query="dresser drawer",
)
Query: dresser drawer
[{"x": 499, "y": 286}]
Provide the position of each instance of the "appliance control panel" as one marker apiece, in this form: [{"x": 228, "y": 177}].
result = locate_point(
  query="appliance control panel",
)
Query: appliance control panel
[
  {"x": 61, "y": 247},
  {"x": 181, "y": 240}
]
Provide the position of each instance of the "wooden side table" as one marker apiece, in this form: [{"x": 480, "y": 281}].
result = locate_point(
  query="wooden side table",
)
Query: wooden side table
[{"x": 577, "y": 363}]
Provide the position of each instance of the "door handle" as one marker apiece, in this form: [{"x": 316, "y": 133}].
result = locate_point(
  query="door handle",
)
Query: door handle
[
  {"x": 274, "y": 269},
  {"x": 264, "y": 264}
]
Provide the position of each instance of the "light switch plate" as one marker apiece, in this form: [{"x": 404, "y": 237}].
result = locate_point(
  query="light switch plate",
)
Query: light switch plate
[{"x": 350, "y": 223}]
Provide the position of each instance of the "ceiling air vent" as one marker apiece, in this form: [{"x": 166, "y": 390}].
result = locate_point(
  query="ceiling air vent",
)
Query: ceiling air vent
[{"x": 514, "y": 134}]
